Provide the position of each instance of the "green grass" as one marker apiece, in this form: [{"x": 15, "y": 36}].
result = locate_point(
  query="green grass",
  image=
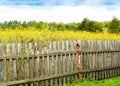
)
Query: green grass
[{"x": 106, "y": 82}]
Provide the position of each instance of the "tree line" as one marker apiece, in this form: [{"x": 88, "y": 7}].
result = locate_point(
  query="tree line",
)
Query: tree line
[{"x": 86, "y": 24}]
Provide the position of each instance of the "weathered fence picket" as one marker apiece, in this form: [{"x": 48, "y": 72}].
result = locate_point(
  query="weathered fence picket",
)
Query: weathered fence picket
[
  {"x": 51, "y": 63},
  {"x": 7, "y": 63},
  {"x": 55, "y": 63},
  {"x": 1, "y": 63}
]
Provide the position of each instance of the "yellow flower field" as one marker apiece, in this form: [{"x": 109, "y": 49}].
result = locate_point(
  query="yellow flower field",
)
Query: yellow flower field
[{"x": 18, "y": 35}]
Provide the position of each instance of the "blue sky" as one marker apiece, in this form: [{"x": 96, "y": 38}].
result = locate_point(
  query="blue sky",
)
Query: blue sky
[
  {"x": 58, "y": 10},
  {"x": 59, "y": 2}
]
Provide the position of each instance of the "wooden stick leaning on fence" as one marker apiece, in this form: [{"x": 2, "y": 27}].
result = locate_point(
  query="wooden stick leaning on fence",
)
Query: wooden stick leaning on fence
[{"x": 79, "y": 69}]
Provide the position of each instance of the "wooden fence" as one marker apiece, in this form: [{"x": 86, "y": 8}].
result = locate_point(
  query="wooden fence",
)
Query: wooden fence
[{"x": 55, "y": 63}]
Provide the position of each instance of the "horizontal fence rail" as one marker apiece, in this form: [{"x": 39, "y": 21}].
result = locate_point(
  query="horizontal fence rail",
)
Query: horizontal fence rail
[{"x": 55, "y": 63}]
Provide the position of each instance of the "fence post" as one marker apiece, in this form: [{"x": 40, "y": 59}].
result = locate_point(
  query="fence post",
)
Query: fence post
[{"x": 78, "y": 53}]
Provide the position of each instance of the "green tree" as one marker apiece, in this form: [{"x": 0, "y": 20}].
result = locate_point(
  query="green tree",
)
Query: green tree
[
  {"x": 61, "y": 26},
  {"x": 88, "y": 25},
  {"x": 84, "y": 25},
  {"x": 52, "y": 26},
  {"x": 114, "y": 26},
  {"x": 71, "y": 26}
]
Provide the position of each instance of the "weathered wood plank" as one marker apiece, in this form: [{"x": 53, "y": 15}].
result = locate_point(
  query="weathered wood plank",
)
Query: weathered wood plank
[
  {"x": 59, "y": 64},
  {"x": 118, "y": 53},
  {"x": 51, "y": 63},
  {"x": 1, "y": 64},
  {"x": 89, "y": 55},
  {"x": 11, "y": 63},
  {"x": 35, "y": 61},
  {"x": 71, "y": 56},
  {"x": 55, "y": 62},
  {"x": 68, "y": 61},
  {"x": 14, "y": 62},
  {"x": 40, "y": 69},
  {"x": 86, "y": 60},
  {"x": 71, "y": 62},
  {"x": 31, "y": 61},
  {"x": 75, "y": 57},
  {"x": 63, "y": 61},
  {"x": 26, "y": 62},
  {"x": 30, "y": 52},
  {"x": 46, "y": 64},
  {"x": 19, "y": 62},
  {"x": 4, "y": 64},
  {"x": 8, "y": 62}
]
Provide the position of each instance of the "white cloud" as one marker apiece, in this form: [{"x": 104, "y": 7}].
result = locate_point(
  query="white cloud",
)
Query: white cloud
[{"x": 57, "y": 13}]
